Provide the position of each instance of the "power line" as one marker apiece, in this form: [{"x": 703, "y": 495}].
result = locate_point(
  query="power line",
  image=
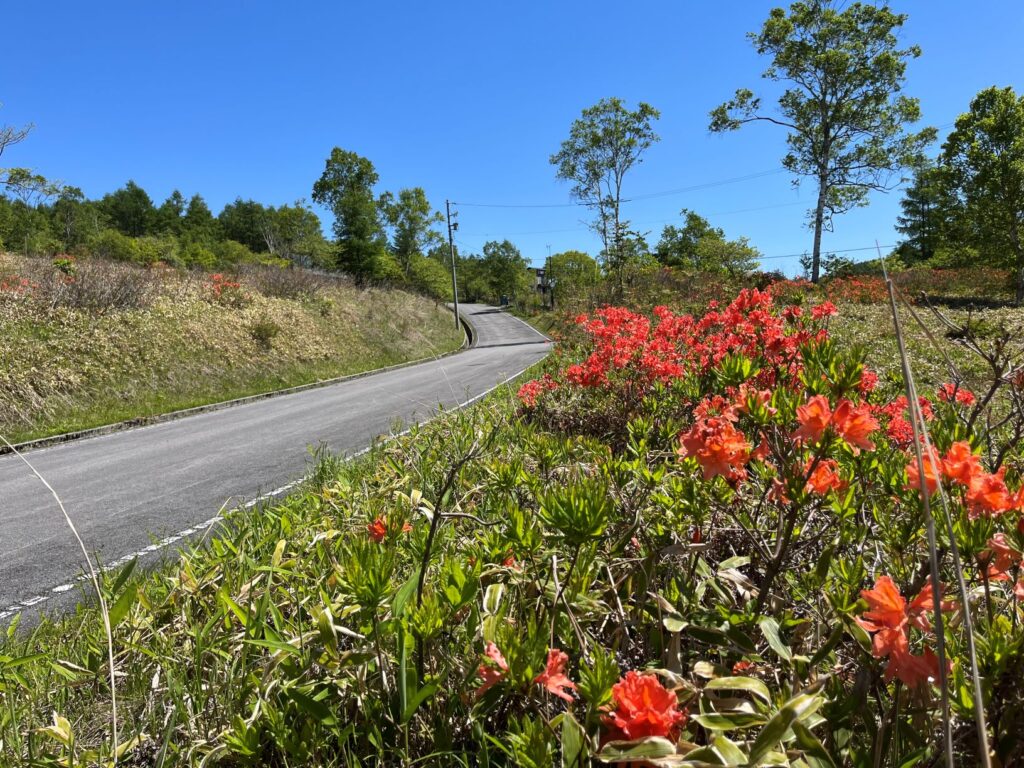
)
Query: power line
[
  {"x": 639, "y": 223},
  {"x": 647, "y": 196}
]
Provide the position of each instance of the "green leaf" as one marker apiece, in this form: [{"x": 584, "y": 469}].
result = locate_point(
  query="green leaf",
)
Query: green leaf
[
  {"x": 810, "y": 744},
  {"x": 404, "y": 593},
  {"x": 770, "y": 630},
  {"x": 120, "y": 609},
  {"x": 234, "y": 607},
  {"x": 748, "y": 684},
  {"x": 123, "y": 576},
  {"x": 629, "y": 751},
  {"x": 574, "y": 743},
  {"x": 799, "y": 706},
  {"x": 732, "y": 721},
  {"x": 312, "y": 706},
  {"x": 421, "y": 695}
]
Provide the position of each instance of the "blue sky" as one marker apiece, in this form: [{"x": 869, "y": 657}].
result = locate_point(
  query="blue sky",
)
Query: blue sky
[{"x": 466, "y": 99}]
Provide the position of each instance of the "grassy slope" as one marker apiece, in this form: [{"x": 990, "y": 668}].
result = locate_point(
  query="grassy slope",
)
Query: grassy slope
[{"x": 65, "y": 368}]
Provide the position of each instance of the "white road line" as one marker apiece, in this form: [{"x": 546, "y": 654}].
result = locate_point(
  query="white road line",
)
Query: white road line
[{"x": 167, "y": 541}]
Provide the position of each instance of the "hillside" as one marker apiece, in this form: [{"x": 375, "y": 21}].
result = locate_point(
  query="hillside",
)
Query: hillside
[{"x": 94, "y": 342}]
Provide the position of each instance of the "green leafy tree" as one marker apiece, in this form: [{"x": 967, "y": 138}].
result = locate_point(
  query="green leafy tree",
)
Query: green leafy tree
[
  {"x": 842, "y": 107},
  {"x": 243, "y": 221},
  {"x": 984, "y": 156},
  {"x": 294, "y": 232},
  {"x": 603, "y": 145},
  {"x": 412, "y": 222},
  {"x": 700, "y": 247},
  {"x": 346, "y": 187},
  {"x": 572, "y": 272},
  {"x": 507, "y": 272},
  {"x": 22, "y": 182},
  {"x": 130, "y": 210}
]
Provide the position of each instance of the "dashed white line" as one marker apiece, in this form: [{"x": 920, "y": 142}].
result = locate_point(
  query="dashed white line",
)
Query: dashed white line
[{"x": 167, "y": 541}]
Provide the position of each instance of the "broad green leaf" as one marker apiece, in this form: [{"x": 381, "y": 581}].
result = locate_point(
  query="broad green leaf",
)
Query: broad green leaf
[
  {"x": 770, "y": 630},
  {"x": 574, "y": 743},
  {"x": 729, "y": 721},
  {"x": 120, "y": 609},
  {"x": 312, "y": 706},
  {"x": 749, "y": 684},
  {"x": 420, "y": 696},
  {"x": 629, "y": 751}
]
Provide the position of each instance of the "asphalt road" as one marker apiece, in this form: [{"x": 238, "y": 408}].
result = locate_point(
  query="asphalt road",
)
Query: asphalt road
[{"x": 147, "y": 490}]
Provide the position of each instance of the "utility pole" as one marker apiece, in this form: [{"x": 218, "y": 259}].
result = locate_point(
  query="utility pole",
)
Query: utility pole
[
  {"x": 547, "y": 280},
  {"x": 451, "y": 250}
]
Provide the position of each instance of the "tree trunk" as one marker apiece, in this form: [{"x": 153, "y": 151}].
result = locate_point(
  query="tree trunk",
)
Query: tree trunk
[{"x": 819, "y": 219}]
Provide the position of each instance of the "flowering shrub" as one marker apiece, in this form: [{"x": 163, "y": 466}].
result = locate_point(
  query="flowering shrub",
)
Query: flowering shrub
[
  {"x": 15, "y": 286},
  {"x": 225, "y": 291}
]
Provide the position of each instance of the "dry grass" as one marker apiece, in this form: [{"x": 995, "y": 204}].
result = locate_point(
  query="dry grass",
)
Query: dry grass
[{"x": 121, "y": 341}]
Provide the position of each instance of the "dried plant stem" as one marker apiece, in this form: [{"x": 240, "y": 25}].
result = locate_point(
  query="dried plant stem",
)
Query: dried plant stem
[{"x": 94, "y": 578}]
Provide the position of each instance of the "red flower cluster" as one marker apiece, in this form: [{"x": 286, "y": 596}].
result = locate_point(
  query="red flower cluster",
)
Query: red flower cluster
[
  {"x": 531, "y": 390},
  {"x": 16, "y": 286},
  {"x": 553, "y": 678},
  {"x": 952, "y": 393},
  {"x": 643, "y": 707},
  {"x": 999, "y": 559},
  {"x": 889, "y": 618},
  {"x": 219, "y": 285}
]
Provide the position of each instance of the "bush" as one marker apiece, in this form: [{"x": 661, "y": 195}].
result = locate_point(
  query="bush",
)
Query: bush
[
  {"x": 96, "y": 286},
  {"x": 287, "y": 282},
  {"x": 111, "y": 244},
  {"x": 264, "y": 330}
]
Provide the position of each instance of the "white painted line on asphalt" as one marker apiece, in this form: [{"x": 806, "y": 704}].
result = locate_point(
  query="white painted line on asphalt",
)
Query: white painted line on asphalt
[{"x": 167, "y": 541}]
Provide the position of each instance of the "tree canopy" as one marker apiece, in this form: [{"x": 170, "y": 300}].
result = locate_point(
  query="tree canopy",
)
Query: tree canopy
[
  {"x": 842, "y": 107},
  {"x": 700, "y": 247}
]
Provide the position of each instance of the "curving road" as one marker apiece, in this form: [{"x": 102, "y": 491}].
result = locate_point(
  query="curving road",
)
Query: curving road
[{"x": 142, "y": 491}]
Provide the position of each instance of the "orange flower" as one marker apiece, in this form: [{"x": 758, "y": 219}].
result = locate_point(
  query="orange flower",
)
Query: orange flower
[
  {"x": 554, "y": 678},
  {"x": 888, "y": 616},
  {"x": 814, "y": 418},
  {"x": 718, "y": 447},
  {"x": 960, "y": 463},
  {"x": 378, "y": 529},
  {"x": 825, "y": 477},
  {"x": 855, "y": 425},
  {"x": 643, "y": 707},
  {"x": 1000, "y": 557},
  {"x": 931, "y": 473},
  {"x": 491, "y": 675},
  {"x": 742, "y": 666},
  {"x": 988, "y": 495}
]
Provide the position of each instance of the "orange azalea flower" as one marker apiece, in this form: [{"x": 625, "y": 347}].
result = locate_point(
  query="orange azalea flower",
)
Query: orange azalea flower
[
  {"x": 554, "y": 678},
  {"x": 888, "y": 616},
  {"x": 960, "y": 463},
  {"x": 491, "y": 675},
  {"x": 825, "y": 477},
  {"x": 855, "y": 425},
  {"x": 1018, "y": 590},
  {"x": 742, "y": 666},
  {"x": 814, "y": 418},
  {"x": 378, "y": 529},
  {"x": 718, "y": 447},
  {"x": 931, "y": 473},
  {"x": 643, "y": 707},
  {"x": 1000, "y": 557},
  {"x": 988, "y": 495}
]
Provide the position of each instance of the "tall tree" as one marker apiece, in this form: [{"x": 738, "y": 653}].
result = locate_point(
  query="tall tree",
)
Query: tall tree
[
  {"x": 170, "y": 212},
  {"x": 925, "y": 211},
  {"x": 22, "y": 182},
  {"x": 700, "y": 247},
  {"x": 572, "y": 272},
  {"x": 346, "y": 187},
  {"x": 507, "y": 272},
  {"x": 985, "y": 158},
  {"x": 130, "y": 210},
  {"x": 198, "y": 224},
  {"x": 603, "y": 145},
  {"x": 846, "y": 119},
  {"x": 412, "y": 222},
  {"x": 242, "y": 221}
]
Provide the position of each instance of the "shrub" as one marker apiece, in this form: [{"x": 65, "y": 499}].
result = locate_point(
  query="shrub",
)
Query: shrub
[
  {"x": 286, "y": 282},
  {"x": 264, "y": 330},
  {"x": 97, "y": 286}
]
